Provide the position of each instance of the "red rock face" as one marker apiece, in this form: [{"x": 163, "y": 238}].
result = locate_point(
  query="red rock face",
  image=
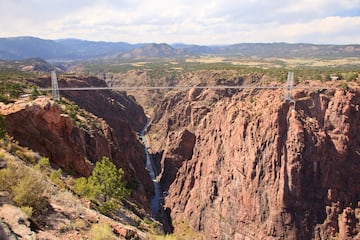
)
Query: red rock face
[
  {"x": 124, "y": 117},
  {"x": 260, "y": 168},
  {"x": 41, "y": 127}
]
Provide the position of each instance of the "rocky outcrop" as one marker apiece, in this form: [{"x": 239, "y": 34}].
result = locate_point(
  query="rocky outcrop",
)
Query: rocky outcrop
[
  {"x": 76, "y": 147},
  {"x": 14, "y": 224},
  {"x": 260, "y": 167},
  {"x": 124, "y": 117},
  {"x": 54, "y": 135}
]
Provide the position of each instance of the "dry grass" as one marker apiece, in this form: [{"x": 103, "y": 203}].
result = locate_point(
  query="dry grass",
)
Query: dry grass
[{"x": 206, "y": 59}]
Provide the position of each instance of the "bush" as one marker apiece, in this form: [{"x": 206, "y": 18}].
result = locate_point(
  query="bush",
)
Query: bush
[
  {"x": 27, "y": 155},
  {"x": 344, "y": 85},
  {"x": 83, "y": 189},
  {"x": 29, "y": 191},
  {"x": 10, "y": 176},
  {"x": 55, "y": 177},
  {"x": 43, "y": 163},
  {"x": 25, "y": 186},
  {"x": 107, "y": 207},
  {"x": 101, "y": 232},
  {"x": 27, "y": 210},
  {"x": 5, "y": 99},
  {"x": 34, "y": 93}
]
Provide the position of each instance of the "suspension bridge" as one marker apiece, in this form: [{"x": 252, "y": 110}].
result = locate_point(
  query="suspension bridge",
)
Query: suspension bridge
[{"x": 288, "y": 87}]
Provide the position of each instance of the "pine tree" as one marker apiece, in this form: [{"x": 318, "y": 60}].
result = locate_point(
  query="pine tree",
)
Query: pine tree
[{"x": 106, "y": 181}]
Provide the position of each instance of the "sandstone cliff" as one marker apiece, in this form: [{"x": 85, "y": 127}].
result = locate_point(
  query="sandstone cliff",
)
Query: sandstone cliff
[{"x": 248, "y": 165}]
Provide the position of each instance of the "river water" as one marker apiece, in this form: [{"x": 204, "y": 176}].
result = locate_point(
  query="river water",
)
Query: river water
[{"x": 155, "y": 202}]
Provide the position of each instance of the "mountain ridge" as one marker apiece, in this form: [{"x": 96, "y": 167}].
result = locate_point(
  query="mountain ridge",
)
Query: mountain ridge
[{"x": 15, "y": 48}]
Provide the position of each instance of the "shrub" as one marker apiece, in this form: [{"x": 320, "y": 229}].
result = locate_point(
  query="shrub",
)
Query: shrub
[
  {"x": 25, "y": 186},
  {"x": 82, "y": 188},
  {"x": 55, "y": 177},
  {"x": 43, "y": 163},
  {"x": 34, "y": 93},
  {"x": 26, "y": 155},
  {"x": 9, "y": 177},
  {"x": 27, "y": 210},
  {"x": 5, "y": 99},
  {"x": 101, "y": 232},
  {"x": 79, "y": 224},
  {"x": 107, "y": 207},
  {"x": 344, "y": 85},
  {"x": 29, "y": 191}
]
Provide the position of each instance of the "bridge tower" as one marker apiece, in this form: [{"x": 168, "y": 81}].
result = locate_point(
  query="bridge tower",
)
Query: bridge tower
[
  {"x": 289, "y": 87},
  {"x": 54, "y": 86}
]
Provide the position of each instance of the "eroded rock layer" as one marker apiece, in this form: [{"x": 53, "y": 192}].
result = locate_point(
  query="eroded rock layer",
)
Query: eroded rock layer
[{"x": 249, "y": 165}]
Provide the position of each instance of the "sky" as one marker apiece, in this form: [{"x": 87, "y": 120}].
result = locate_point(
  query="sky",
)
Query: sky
[{"x": 204, "y": 22}]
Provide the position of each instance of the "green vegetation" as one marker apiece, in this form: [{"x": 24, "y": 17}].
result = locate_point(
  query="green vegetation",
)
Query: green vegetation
[
  {"x": 55, "y": 177},
  {"x": 101, "y": 231},
  {"x": 71, "y": 109},
  {"x": 43, "y": 164},
  {"x": 2, "y": 127},
  {"x": 104, "y": 185},
  {"x": 25, "y": 186},
  {"x": 27, "y": 210},
  {"x": 167, "y": 72},
  {"x": 34, "y": 93},
  {"x": 344, "y": 85},
  {"x": 10, "y": 90}
]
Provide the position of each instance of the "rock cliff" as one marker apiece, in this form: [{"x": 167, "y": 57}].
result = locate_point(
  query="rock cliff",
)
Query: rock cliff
[
  {"x": 245, "y": 164},
  {"x": 112, "y": 132}
]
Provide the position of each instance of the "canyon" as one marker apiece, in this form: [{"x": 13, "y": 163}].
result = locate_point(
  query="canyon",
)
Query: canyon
[
  {"x": 231, "y": 163},
  {"x": 246, "y": 164}
]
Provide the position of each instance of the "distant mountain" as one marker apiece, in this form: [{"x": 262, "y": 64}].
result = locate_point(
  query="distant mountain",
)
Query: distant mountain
[
  {"x": 75, "y": 49},
  {"x": 28, "y": 47},
  {"x": 152, "y": 50},
  {"x": 291, "y": 50},
  {"x": 64, "y": 49},
  {"x": 88, "y": 49}
]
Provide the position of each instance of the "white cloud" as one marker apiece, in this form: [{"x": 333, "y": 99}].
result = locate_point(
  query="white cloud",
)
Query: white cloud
[{"x": 201, "y": 22}]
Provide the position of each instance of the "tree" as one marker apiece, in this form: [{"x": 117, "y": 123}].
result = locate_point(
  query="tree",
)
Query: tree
[
  {"x": 34, "y": 93},
  {"x": 107, "y": 181}
]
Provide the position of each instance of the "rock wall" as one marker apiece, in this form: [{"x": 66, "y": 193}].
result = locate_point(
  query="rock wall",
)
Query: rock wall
[
  {"x": 248, "y": 165},
  {"x": 126, "y": 118},
  {"x": 55, "y": 135}
]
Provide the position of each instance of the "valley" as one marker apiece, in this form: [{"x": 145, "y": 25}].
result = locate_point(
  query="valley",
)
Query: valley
[{"x": 226, "y": 163}]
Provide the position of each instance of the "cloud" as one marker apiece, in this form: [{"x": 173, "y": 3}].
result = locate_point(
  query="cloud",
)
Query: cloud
[{"x": 202, "y": 21}]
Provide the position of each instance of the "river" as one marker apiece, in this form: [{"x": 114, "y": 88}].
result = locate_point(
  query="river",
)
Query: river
[{"x": 155, "y": 202}]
